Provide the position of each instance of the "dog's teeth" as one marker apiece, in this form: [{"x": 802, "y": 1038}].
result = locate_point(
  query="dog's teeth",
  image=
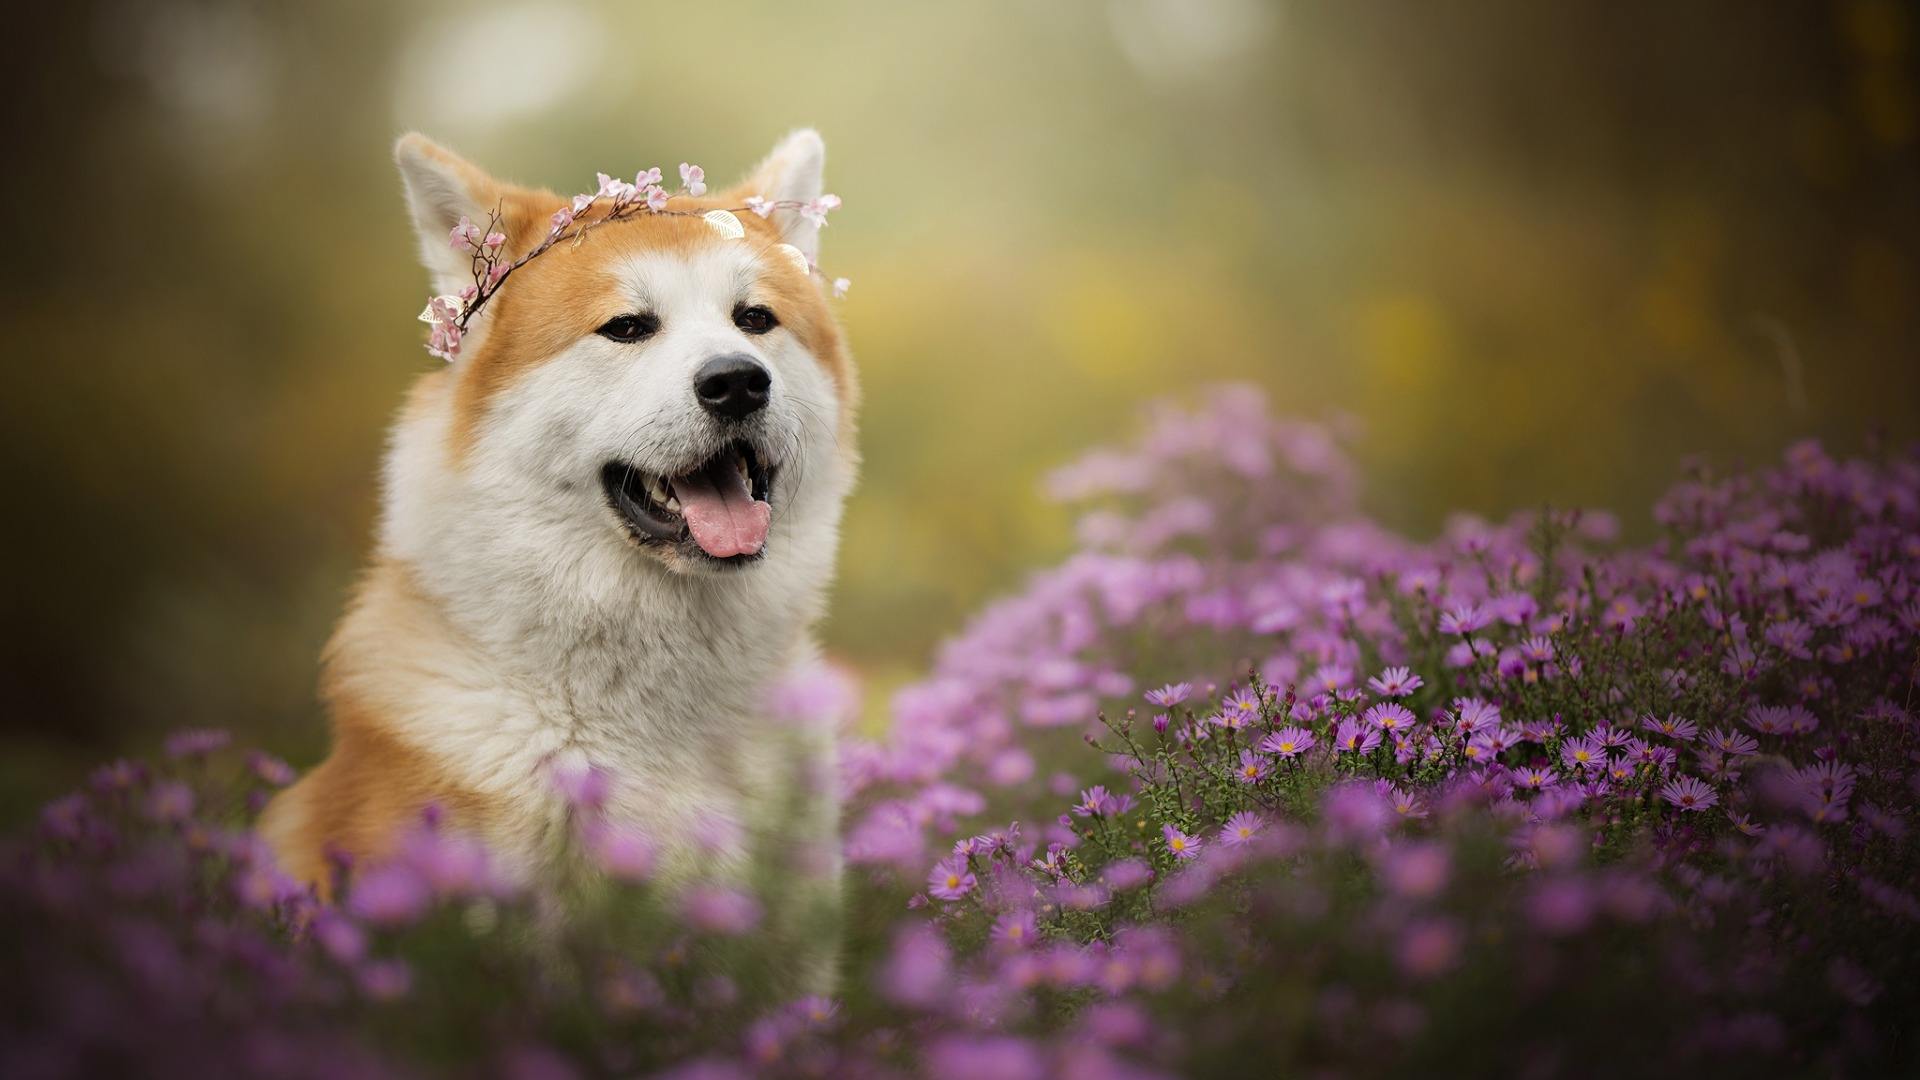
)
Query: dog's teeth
[
  {"x": 672, "y": 504},
  {"x": 657, "y": 491}
]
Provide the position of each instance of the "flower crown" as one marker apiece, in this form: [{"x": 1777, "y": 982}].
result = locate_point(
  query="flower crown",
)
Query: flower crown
[{"x": 449, "y": 315}]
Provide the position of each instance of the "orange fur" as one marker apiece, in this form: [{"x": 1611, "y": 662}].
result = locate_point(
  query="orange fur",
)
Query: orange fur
[{"x": 374, "y": 786}]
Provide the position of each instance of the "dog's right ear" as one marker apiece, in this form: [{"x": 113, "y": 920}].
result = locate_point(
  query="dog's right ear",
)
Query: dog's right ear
[{"x": 443, "y": 187}]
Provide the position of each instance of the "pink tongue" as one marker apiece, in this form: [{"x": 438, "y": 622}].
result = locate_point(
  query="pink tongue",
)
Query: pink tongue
[{"x": 725, "y": 518}]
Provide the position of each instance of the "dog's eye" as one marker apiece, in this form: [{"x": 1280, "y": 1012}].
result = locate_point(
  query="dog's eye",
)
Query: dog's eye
[
  {"x": 755, "y": 319},
  {"x": 629, "y": 328}
]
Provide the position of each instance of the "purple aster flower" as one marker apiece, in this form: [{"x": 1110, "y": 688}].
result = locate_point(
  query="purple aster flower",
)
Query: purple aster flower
[
  {"x": 718, "y": 910},
  {"x": 1240, "y": 829},
  {"x": 1428, "y": 947},
  {"x": 1004, "y": 1057},
  {"x": 1253, "y": 768},
  {"x": 170, "y": 802},
  {"x": 1015, "y": 929},
  {"x": 385, "y": 980},
  {"x": 1242, "y": 702},
  {"x": 1732, "y": 743},
  {"x": 950, "y": 879},
  {"x": 1537, "y": 649},
  {"x": 1395, "y": 682},
  {"x": 1782, "y": 720},
  {"x": 622, "y": 852},
  {"x": 1288, "y": 742},
  {"x": 1093, "y": 802},
  {"x": 1126, "y": 874},
  {"x": 1355, "y": 738},
  {"x": 1582, "y": 754},
  {"x": 1170, "y": 695},
  {"x": 1463, "y": 619},
  {"x": 1533, "y": 779},
  {"x": 584, "y": 787},
  {"x": 1689, "y": 793},
  {"x": 269, "y": 768},
  {"x": 389, "y": 895},
  {"x": 1673, "y": 727},
  {"x": 196, "y": 742},
  {"x": 118, "y": 776},
  {"x": 1407, "y": 804},
  {"x": 1472, "y": 714},
  {"x": 1419, "y": 871},
  {"x": 1182, "y": 846},
  {"x": 1389, "y": 716}
]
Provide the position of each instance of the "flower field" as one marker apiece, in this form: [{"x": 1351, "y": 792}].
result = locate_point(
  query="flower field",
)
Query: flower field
[{"x": 1249, "y": 783}]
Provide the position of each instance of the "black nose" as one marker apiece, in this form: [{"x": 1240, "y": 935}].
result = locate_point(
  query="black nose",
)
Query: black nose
[{"x": 732, "y": 387}]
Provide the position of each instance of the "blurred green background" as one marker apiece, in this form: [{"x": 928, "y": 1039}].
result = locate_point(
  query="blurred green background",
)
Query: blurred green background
[{"x": 1539, "y": 250}]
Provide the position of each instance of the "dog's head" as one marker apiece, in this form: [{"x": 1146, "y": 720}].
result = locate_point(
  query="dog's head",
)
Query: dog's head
[{"x": 656, "y": 383}]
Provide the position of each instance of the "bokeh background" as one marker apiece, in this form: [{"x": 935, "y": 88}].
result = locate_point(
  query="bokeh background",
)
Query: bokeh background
[{"x": 1538, "y": 251}]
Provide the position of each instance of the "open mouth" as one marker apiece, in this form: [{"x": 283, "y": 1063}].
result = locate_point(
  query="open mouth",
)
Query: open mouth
[{"x": 720, "y": 504}]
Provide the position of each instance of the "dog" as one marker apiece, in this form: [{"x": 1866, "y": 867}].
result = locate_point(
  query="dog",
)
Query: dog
[{"x": 608, "y": 528}]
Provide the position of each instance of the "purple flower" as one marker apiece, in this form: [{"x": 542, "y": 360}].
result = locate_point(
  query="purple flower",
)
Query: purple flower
[
  {"x": 1126, "y": 874},
  {"x": 1584, "y": 754},
  {"x": 715, "y": 909},
  {"x": 270, "y": 769},
  {"x": 1240, "y": 829},
  {"x": 1182, "y": 846},
  {"x": 584, "y": 787},
  {"x": 968, "y": 1057},
  {"x": 950, "y": 879},
  {"x": 1672, "y": 727},
  {"x": 1170, "y": 695},
  {"x": 1429, "y": 947},
  {"x": 1395, "y": 682},
  {"x": 196, "y": 742},
  {"x": 170, "y": 802},
  {"x": 1015, "y": 929},
  {"x": 1288, "y": 742},
  {"x": 623, "y": 853},
  {"x": 1355, "y": 738},
  {"x": 385, "y": 980},
  {"x": 1689, "y": 794},
  {"x": 389, "y": 895},
  {"x": 1472, "y": 714},
  {"x": 1389, "y": 716},
  {"x": 1782, "y": 720},
  {"x": 1418, "y": 871},
  {"x": 1463, "y": 620},
  {"x": 1732, "y": 743},
  {"x": 1253, "y": 768}
]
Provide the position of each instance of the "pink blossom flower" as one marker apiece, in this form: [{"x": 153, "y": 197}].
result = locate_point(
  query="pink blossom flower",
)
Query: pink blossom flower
[
  {"x": 695, "y": 179},
  {"x": 816, "y": 211}
]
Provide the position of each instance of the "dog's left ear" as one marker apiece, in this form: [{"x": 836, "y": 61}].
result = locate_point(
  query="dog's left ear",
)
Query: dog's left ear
[
  {"x": 795, "y": 171},
  {"x": 443, "y": 187}
]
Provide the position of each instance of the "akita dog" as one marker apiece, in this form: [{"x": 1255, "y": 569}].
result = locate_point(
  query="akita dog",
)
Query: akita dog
[{"x": 608, "y": 527}]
